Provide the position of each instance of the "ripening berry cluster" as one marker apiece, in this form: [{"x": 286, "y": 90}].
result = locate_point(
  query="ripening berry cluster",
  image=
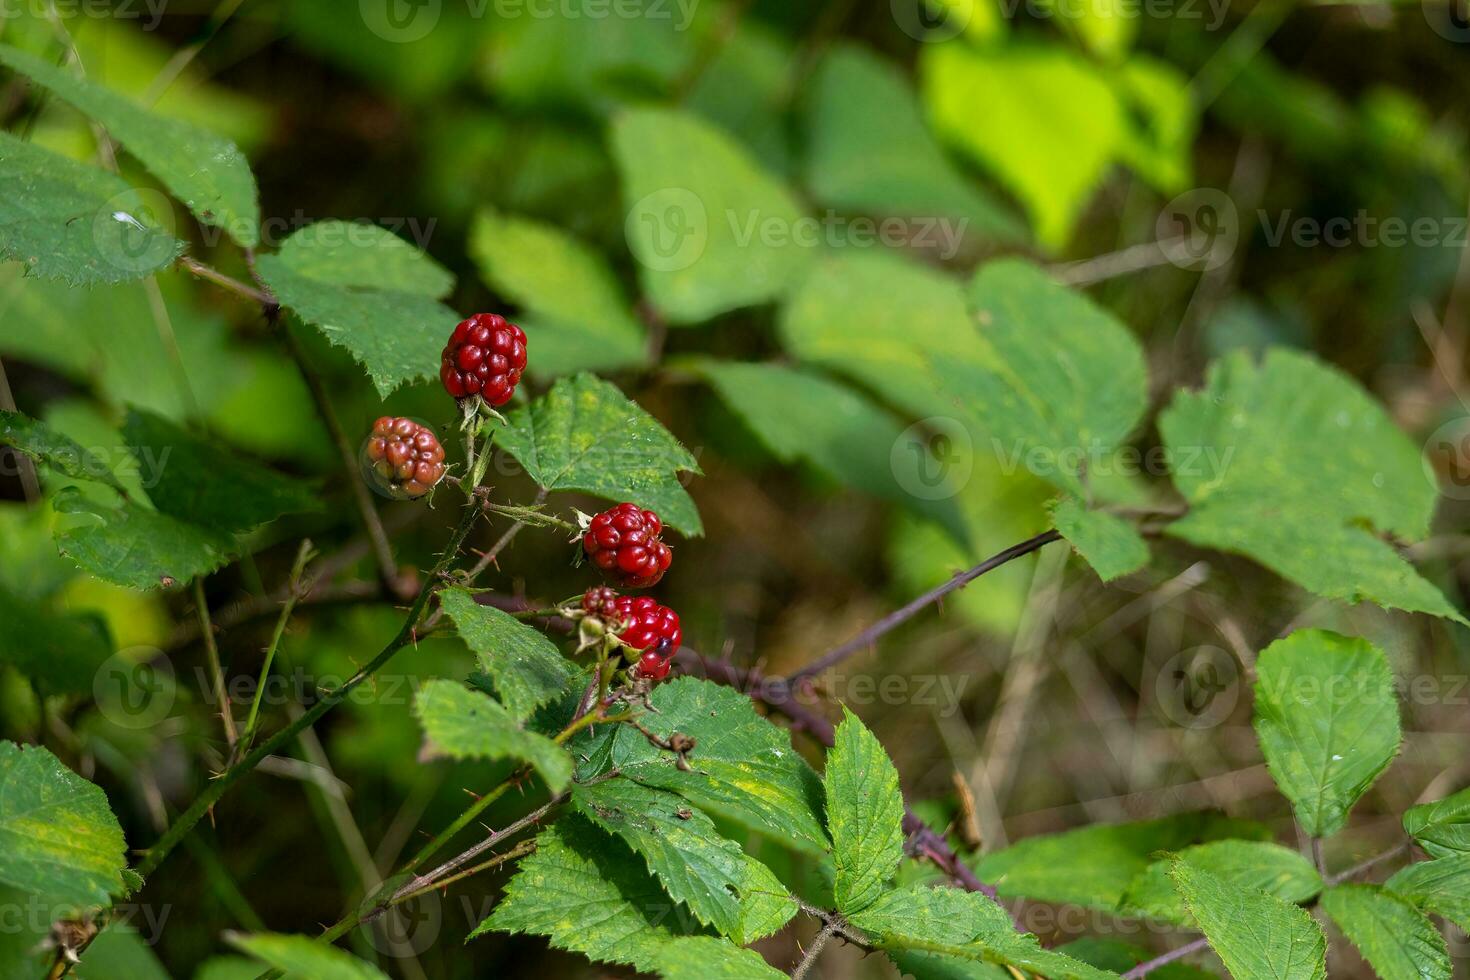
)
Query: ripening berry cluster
[{"x": 404, "y": 458}]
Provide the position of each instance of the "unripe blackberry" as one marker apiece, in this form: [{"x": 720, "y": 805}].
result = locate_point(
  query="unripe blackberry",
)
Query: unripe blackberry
[{"x": 402, "y": 458}]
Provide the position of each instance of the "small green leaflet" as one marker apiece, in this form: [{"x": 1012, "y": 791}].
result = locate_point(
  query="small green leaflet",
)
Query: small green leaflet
[
  {"x": 304, "y": 957},
  {"x": 589, "y": 894},
  {"x": 1257, "y": 865},
  {"x": 1441, "y": 886},
  {"x": 710, "y": 229},
  {"x": 870, "y": 152},
  {"x": 202, "y": 484},
  {"x": 65, "y": 220},
  {"x": 1255, "y": 934},
  {"x": 58, "y": 838},
  {"x": 1291, "y": 463},
  {"x": 136, "y": 547},
  {"x": 1094, "y": 866},
  {"x": 1394, "y": 937},
  {"x": 575, "y": 313},
  {"x": 45, "y": 445},
  {"x": 526, "y": 668},
  {"x": 707, "y": 958},
  {"x": 205, "y": 171},
  {"x": 967, "y": 925},
  {"x": 799, "y": 414},
  {"x": 742, "y": 766},
  {"x": 584, "y": 434},
  {"x": 697, "y": 866},
  {"x": 1442, "y": 828},
  {"x": 61, "y": 651},
  {"x": 466, "y": 724},
  {"x": 119, "y": 953},
  {"x": 1327, "y": 718},
  {"x": 864, "y": 815},
  {"x": 369, "y": 292},
  {"x": 1109, "y": 544}
]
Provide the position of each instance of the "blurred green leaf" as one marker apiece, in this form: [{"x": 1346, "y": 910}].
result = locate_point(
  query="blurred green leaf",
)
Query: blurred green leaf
[
  {"x": 864, "y": 815},
  {"x": 742, "y": 766},
  {"x": 65, "y": 220},
  {"x": 1158, "y": 138},
  {"x": 137, "y": 547},
  {"x": 1105, "y": 27},
  {"x": 1109, "y": 544},
  {"x": 744, "y": 89},
  {"x": 1255, "y": 934},
  {"x": 1327, "y": 717},
  {"x": 466, "y": 724},
  {"x": 585, "y": 434},
  {"x": 525, "y": 667},
  {"x": 576, "y": 315},
  {"x": 710, "y": 229},
  {"x": 707, "y": 958},
  {"x": 1396, "y": 939},
  {"x": 1249, "y": 864},
  {"x": 58, "y": 838},
  {"x": 303, "y": 956},
  {"x": 801, "y": 415},
  {"x": 1442, "y": 828},
  {"x": 330, "y": 277},
  {"x": 1094, "y": 866},
  {"x": 43, "y": 444},
  {"x": 61, "y": 652},
  {"x": 119, "y": 953},
  {"x": 205, "y": 171},
  {"x": 201, "y": 483},
  {"x": 1043, "y": 120},
  {"x": 869, "y": 151},
  {"x": 1291, "y": 463}
]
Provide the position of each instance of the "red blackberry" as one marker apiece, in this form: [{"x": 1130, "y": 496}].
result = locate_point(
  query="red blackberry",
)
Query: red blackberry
[
  {"x": 654, "y": 664},
  {"x": 625, "y": 543},
  {"x": 403, "y": 458},
  {"x": 648, "y": 624},
  {"x": 601, "y": 601},
  {"x": 485, "y": 356}
]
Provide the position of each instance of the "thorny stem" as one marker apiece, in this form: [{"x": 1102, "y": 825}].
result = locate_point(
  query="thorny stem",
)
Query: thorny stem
[
  {"x": 815, "y": 949},
  {"x": 520, "y": 850},
  {"x": 293, "y": 595},
  {"x": 899, "y": 616},
  {"x": 463, "y": 820},
  {"x": 216, "y": 672},
  {"x": 328, "y": 700},
  {"x": 1148, "y": 966}
]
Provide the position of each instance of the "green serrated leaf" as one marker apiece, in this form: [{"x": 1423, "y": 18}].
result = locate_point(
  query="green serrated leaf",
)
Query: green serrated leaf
[
  {"x": 742, "y": 766},
  {"x": 963, "y": 924},
  {"x": 587, "y": 894},
  {"x": 1259, "y": 865},
  {"x": 864, "y": 815},
  {"x": 1289, "y": 462},
  {"x": 1441, "y": 886},
  {"x": 683, "y": 849},
  {"x": 801, "y": 415},
  {"x": 65, "y": 220},
  {"x": 766, "y": 904},
  {"x": 375, "y": 298},
  {"x": 200, "y": 483},
  {"x": 1396, "y": 939},
  {"x": 58, "y": 838},
  {"x": 1327, "y": 717},
  {"x": 869, "y": 151},
  {"x": 62, "y": 652},
  {"x": 1254, "y": 934},
  {"x": 133, "y": 546},
  {"x": 466, "y": 724},
  {"x": 707, "y": 958},
  {"x": 45, "y": 445},
  {"x": 576, "y": 315},
  {"x": 584, "y": 434},
  {"x": 527, "y": 669},
  {"x": 1111, "y": 545},
  {"x": 1093, "y": 866},
  {"x": 710, "y": 229},
  {"x": 1442, "y": 828},
  {"x": 302, "y": 956},
  {"x": 204, "y": 170}
]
